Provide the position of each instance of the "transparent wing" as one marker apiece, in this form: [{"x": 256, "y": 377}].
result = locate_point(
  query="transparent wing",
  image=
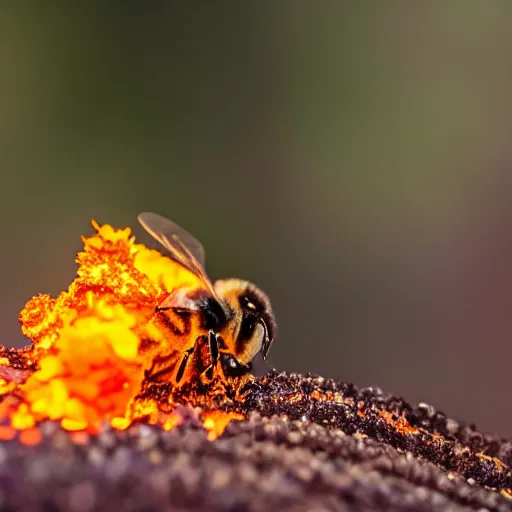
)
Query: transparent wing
[
  {"x": 158, "y": 227},
  {"x": 182, "y": 246}
]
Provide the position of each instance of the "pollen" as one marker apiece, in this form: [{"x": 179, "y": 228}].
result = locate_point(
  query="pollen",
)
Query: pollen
[{"x": 92, "y": 345}]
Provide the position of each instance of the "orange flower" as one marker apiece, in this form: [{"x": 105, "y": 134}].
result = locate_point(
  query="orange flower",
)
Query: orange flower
[
  {"x": 87, "y": 344},
  {"x": 87, "y": 340}
]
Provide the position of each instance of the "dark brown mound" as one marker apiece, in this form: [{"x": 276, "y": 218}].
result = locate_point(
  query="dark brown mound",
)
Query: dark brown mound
[{"x": 297, "y": 451}]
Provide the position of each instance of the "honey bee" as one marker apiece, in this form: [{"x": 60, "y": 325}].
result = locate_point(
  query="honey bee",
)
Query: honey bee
[{"x": 218, "y": 327}]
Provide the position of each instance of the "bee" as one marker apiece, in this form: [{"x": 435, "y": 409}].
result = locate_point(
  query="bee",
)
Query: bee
[{"x": 219, "y": 327}]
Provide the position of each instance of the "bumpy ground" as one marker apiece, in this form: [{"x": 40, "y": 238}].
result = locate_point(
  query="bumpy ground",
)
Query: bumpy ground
[
  {"x": 308, "y": 444},
  {"x": 86, "y": 424}
]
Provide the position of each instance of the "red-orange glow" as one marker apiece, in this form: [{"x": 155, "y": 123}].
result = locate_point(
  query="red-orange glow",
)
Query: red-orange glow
[
  {"x": 31, "y": 436},
  {"x": 7, "y": 432},
  {"x": 216, "y": 422},
  {"x": 92, "y": 344}
]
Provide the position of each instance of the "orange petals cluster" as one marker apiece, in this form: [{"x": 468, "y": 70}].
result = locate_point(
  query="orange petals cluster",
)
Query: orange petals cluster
[{"x": 86, "y": 342}]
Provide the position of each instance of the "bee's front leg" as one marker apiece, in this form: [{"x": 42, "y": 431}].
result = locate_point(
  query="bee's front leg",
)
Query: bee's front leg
[
  {"x": 213, "y": 356},
  {"x": 213, "y": 345},
  {"x": 223, "y": 364},
  {"x": 197, "y": 363},
  {"x": 184, "y": 364}
]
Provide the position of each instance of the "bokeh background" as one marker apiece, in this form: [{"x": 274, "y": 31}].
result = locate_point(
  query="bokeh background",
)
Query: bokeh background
[{"x": 353, "y": 159}]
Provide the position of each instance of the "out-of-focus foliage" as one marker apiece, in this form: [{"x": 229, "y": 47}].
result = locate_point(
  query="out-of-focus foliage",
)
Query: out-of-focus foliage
[{"x": 354, "y": 160}]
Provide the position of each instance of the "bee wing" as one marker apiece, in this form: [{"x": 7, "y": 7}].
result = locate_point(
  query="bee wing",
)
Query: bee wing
[
  {"x": 161, "y": 229},
  {"x": 183, "y": 247}
]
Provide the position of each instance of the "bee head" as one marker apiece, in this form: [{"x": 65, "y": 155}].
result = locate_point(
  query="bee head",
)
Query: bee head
[{"x": 253, "y": 323}]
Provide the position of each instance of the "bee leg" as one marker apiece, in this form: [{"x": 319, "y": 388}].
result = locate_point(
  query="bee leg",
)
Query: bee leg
[
  {"x": 224, "y": 364},
  {"x": 213, "y": 345},
  {"x": 198, "y": 359},
  {"x": 183, "y": 364},
  {"x": 213, "y": 349}
]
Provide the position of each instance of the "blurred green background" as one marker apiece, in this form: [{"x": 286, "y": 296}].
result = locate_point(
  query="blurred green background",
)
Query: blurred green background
[{"x": 352, "y": 159}]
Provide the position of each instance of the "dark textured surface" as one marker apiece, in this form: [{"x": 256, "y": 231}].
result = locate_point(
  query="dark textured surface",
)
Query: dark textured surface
[{"x": 295, "y": 452}]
